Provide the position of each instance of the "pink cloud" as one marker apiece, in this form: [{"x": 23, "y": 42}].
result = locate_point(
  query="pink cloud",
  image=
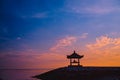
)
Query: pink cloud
[
  {"x": 67, "y": 41},
  {"x": 84, "y": 35}
]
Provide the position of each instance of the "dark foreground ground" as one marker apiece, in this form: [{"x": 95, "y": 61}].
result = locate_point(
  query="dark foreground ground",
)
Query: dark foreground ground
[{"x": 81, "y": 73}]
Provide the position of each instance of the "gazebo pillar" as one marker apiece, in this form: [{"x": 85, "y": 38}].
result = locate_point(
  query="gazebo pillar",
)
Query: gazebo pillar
[
  {"x": 78, "y": 61},
  {"x": 70, "y": 62}
]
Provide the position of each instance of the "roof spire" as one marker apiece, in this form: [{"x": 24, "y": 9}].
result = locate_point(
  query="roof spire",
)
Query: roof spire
[{"x": 74, "y": 51}]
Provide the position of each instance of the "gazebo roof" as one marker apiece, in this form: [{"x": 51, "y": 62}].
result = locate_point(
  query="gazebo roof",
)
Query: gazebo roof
[{"x": 74, "y": 55}]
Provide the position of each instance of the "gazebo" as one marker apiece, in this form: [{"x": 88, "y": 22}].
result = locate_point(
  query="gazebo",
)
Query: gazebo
[{"x": 74, "y": 59}]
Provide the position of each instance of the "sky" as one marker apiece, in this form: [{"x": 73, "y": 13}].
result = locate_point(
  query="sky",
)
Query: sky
[{"x": 40, "y": 33}]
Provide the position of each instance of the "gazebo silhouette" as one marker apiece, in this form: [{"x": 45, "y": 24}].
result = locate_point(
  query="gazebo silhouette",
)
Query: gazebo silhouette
[{"x": 75, "y": 59}]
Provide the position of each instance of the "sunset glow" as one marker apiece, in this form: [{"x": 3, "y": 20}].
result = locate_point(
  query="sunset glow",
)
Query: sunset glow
[{"x": 40, "y": 33}]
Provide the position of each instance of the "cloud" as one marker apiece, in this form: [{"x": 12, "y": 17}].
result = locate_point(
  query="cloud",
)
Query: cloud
[
  {"x": 37, "y": 15},
  {"x": 97, "y": 10},
  {"x": 94, "y": 7},
  {"x": 84, "y": 35},
  {"x": 93, "y": 10},
  {"x": 103, "y": 52},
  {"x": 105, "y": 45},
  {"x": 100, "y": 42},
  {"x": 40, "y": 15},
  {"x": 67, "y": 41}
]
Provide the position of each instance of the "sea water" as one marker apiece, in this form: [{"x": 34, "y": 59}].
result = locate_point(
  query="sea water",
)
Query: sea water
[{"x": 20, "y": 74}]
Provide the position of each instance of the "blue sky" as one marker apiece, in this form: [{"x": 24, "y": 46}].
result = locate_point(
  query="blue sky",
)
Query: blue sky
[{"x": 35, "y": 27}]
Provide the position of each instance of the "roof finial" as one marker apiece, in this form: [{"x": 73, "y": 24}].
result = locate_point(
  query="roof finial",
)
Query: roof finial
[{"x": 74, "y": 51}]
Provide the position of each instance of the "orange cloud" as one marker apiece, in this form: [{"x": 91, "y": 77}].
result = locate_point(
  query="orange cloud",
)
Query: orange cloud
[
  {"x": 105, "y": 50},
  {"x": 100, "y": 42},
  {"x": 105, "y": 42}
]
